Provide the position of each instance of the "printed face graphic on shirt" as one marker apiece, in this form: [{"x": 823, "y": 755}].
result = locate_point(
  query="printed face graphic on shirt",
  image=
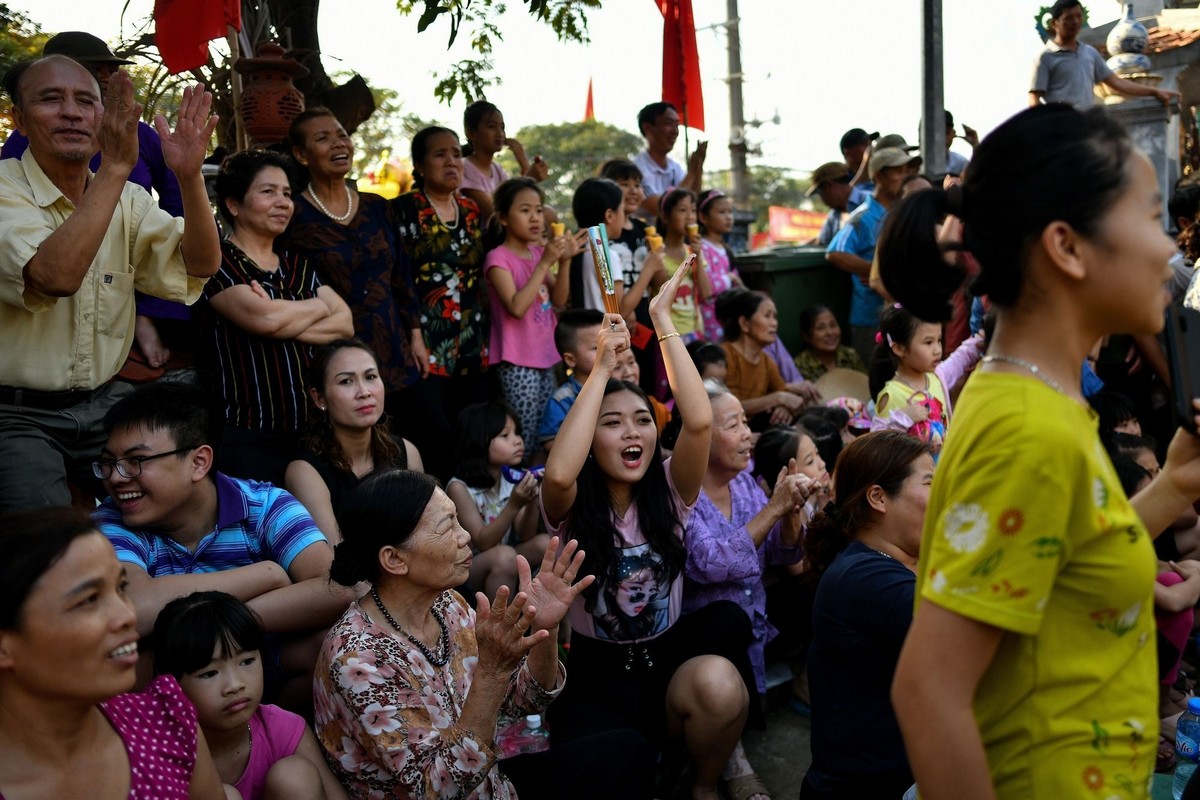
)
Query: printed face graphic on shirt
[{"x": 636, "y": 604}]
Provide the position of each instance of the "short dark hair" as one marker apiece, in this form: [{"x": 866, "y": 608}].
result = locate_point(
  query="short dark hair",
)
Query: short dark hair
[
  {"x": 808, "y": 321},
  {"x": 239, "y": 170},
  {"x": 620, "y": 169},
  {"x": 593, "y": 199},
  {"x": 704, "y": 353},
  {"x": 1185, "y": 201},
  {"x": 476, "y": 113},
  {"x": 651, "y": 112},
  {"x": 1062, "y": 6},
  {"x": 382, "y": 510},
  {"x": 183, "y": 411},
  {"x": 190, "y": 628},
  {"x": 570, "y": 323},
  {"x": 32, "y": 543}
]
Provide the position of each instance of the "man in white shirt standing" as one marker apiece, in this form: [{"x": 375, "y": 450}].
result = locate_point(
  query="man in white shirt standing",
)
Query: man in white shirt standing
[{"x": 659, "y": 125}]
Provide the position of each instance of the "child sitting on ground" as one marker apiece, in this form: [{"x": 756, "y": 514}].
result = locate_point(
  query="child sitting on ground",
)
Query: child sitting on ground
[
  {"x": 212, "y": 644},
  {"x": 493, "y": 496}
]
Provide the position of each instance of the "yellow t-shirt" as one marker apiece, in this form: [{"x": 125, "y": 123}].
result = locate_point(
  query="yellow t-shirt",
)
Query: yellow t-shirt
[
  {"x": 1027, "y": 529},
  {"x": 683, "y": 310}
]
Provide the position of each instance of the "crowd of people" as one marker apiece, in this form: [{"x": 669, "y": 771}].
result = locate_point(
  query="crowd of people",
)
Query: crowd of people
[{"x": 318, "y": 496}]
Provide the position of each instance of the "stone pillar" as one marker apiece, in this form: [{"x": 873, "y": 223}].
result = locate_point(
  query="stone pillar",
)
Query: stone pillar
[{"x": 1155, "y": 131}]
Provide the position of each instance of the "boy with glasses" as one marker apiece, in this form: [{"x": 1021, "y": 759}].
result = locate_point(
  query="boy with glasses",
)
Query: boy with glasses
[{"x": 179, "y": 526}]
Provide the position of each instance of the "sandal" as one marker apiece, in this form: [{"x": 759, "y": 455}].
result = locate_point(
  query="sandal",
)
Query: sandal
[{"x": 746, "y": 786}]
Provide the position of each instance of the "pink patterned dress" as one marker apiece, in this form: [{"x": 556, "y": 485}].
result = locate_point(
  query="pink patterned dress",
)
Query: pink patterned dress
[
  {"x": 388, "y": 718},
  {"x": 158, "y": 727},
  {"x": 720, "y": 274}
]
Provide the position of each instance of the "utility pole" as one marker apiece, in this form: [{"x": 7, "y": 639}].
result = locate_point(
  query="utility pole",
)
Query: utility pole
[
  {"x": 737, "y": 122},
  {"x": 933, "y": 116}
]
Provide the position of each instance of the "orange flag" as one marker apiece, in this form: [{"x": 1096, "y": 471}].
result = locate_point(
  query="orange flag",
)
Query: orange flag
[{"x": 589, "y": 112}]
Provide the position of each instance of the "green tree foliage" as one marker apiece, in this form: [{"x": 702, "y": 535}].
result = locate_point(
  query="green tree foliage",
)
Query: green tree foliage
[
  {"x": 481, "y": 20},
  {"x": 20, "y": 38},
  {"x": 573, "y": 151}
]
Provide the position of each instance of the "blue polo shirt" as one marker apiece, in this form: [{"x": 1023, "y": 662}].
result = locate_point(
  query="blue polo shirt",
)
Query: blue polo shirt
[
  {"x": 858, "y": 237},
  {"x": 556, "y": 409},
  {"x": 255, "y": 522}
]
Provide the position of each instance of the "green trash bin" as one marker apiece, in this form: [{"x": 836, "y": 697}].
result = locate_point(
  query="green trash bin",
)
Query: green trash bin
[{"x": 797, "y": 277}]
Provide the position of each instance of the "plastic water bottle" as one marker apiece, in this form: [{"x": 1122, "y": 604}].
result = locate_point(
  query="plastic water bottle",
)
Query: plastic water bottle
[
  {"x": 529, "y": 737},
  {"x": 1187, "y": 747}
]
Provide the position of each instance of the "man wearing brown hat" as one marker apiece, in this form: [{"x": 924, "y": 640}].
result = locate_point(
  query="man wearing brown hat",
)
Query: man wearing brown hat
[
  {"x": 832, "y": 181},
  {"x": 74, "y": 245},
  {"x": 853, "y": 248}
]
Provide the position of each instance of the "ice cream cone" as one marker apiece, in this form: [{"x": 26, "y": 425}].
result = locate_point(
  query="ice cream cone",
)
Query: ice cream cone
[{"x": 557, "y": 229}]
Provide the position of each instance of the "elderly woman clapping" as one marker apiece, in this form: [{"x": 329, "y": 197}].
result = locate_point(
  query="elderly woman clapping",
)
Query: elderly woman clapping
[{"x": 411, "y": 681}]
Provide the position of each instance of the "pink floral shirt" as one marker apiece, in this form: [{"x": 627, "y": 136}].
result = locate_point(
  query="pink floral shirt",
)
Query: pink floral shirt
[{"x": 388, "y": 719}]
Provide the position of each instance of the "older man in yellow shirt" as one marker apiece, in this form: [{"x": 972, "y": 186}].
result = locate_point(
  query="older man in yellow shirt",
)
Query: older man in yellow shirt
[{"x": 73, "y": 247}]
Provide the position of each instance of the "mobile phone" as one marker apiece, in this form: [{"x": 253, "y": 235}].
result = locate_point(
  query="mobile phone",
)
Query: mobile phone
[{"x": 1183, "y": 352}]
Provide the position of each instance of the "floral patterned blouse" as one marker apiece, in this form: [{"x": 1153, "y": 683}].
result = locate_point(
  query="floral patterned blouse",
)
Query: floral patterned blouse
[
  {"x": 388, "y": 718},
  {"x": 447, "y": 263}
]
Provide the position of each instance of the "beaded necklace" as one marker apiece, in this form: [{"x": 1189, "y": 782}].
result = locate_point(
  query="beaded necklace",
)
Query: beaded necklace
[{"x": 443, "y": 649}]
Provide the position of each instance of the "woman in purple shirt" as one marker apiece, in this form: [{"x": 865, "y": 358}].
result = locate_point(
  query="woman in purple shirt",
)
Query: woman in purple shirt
[{"x": 735, "y": 532}]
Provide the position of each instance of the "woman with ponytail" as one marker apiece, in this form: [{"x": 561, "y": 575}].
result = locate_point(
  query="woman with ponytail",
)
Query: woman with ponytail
[
  {"x": 863, "y": 553},
  {"x": 1029, "y": 669}
]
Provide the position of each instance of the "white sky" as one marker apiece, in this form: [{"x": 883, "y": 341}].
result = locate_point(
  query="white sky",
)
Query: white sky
[{"x": 825, "y": 67}]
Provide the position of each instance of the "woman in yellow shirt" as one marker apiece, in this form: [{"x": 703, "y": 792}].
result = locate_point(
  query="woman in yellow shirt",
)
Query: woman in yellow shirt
[{"x": 1030, "y": 669}]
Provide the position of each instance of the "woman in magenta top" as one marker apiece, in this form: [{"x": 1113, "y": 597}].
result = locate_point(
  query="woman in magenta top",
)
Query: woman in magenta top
[{"x": 68, "y": 654}]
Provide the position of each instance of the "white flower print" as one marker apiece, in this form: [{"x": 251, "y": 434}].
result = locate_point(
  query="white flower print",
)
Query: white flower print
[
  {"x": 377, "y": 719},
  {"x": 966, "y": 527},
  {"x": 1099, "y": 493},
  {"x": 358, "y": 674},
  {"x": 938, "y": 582}
]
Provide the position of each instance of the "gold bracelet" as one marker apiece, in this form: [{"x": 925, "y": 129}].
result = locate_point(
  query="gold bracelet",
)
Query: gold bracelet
[{"x": 666, "y": 336}]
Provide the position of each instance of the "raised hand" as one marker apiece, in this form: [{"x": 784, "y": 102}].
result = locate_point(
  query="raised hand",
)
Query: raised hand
[
  {"x": 118, "y": 124},
  {"x": 500, "y": 629},
  {"x": 613, "y": 339},
  {"x": 554, "y": 589},
  {"x": 185, "y": 147}
]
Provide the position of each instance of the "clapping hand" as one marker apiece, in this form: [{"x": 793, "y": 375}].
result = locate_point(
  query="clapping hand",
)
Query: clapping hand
[
  {"x": 117, "y": 124},
  {"x": 185, "y": 147},
  {"x": 555, "y": 587},
  {"x": 500, "y": 629}
]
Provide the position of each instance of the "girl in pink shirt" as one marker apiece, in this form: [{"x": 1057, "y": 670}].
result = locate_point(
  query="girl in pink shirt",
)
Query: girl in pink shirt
[
  {"x": 524, "y": 287},
  {"x": 212, "y": 644}
]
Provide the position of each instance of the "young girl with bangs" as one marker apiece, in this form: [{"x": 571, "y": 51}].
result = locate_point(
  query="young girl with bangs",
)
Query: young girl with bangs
[
  {"x": 1031, "y": 554},
  {"x": 212, "y": 644},
  {"x": 493, "y": 497},
  {"x": 635, "y": 661},
  {"x": 526, "y": 281},
  {"x": 681, "y": 238},
  {"x": 715, "y": 211}
]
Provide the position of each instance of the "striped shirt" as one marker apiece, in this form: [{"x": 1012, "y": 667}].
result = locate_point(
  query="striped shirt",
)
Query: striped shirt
[
  {"x": 262, "y": 380},
  {"x": 255, "y": 522}
]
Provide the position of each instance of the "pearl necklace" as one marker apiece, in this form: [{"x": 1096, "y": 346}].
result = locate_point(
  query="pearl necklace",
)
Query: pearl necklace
[
  {"x": 443, "y": 649},
  {"x": 1033, "y": 368},
  {"x": 312, "y": 193},
  {"x": 448, "y": 225}
]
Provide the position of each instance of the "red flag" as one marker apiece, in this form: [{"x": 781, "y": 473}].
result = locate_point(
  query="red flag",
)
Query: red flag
[
  {"x": 183, "y": 29},
  {"x": 681, "y": 62},
  {"x": 589, "y": 113}
]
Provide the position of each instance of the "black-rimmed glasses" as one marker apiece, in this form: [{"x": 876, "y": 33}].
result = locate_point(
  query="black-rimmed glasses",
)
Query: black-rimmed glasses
[{"x": 129, "y": 467}]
